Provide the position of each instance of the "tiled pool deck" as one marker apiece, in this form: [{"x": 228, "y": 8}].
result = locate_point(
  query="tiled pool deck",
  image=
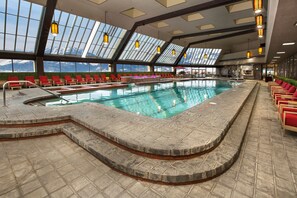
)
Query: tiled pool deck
[{"x": 57, "y": 167}]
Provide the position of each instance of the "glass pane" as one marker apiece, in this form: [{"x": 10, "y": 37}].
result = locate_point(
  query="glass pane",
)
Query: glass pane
[
  {"x": 82, "y": 67},
  {"x": 1, "y": 41},
  {"x": 2, "y": 5},
  {"x": 5, "y": 65},
  {"x": 33, "y": 28},
  {"x": 24, "y": 9},
  {"x": 2, "y": 22},
  {"x": 12, "y": 6},
  {"x": 95, "y": 67},
  {"x": 67, "y": 67},
  {"x": 51, "y": 66},
  {"x": 30, "y": 45},
  {"x": 36, "y": 12},
  {"x": 22, "y": 26},
  {"x": 11, "y": 24},
  {"x": 167, "y": 57},
  {"x": 20, "y": 44},
  {"x": 23, "y": 66},
  {"x": 9, "y": 42}
]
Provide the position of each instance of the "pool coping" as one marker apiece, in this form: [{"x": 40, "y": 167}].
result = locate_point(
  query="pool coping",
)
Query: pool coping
[{"x": 181, "y": 135}]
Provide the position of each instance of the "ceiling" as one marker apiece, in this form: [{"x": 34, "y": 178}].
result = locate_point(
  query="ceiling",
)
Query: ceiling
[
  {"x": 284, "y": 30},
  {"x": 217, "y": 18}
]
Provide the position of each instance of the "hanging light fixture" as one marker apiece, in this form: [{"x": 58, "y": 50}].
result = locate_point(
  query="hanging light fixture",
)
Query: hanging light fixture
[
  {"x": 258, "y": 6},
  {"x": 105, "y": 36},
  {"x": 260, "y": 50},
  {"x": 260, "y": 33},
  {"x": 54, "y": 27},
  {"x": 137, "y": 44},
  {"x": 205, "y": 56},
  {"x": 185, "y": 55},
  {"x": 259, "y": 21},
  {"x": 173, "y": 52},
  {"x": 248, "y": 53},
  {"x": 158, "y": 49}
]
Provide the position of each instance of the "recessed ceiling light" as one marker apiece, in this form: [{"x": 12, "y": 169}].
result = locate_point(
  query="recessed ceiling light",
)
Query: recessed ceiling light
[
  {"x": 295, "y": 24},
  {"x": 280, "y": 52},
  {"x": 290, "y": 43},
  {"x": 277, "y": 57}
]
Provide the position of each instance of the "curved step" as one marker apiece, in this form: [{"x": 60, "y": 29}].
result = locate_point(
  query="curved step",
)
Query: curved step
[{"x": 184, "y": 171}]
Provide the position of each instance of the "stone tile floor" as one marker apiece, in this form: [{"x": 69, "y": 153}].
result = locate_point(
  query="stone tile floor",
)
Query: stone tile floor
[{"x": 57, "y": 167}]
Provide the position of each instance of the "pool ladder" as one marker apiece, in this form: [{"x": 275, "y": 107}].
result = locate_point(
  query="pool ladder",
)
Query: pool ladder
[{"x": 25, "y": 81}]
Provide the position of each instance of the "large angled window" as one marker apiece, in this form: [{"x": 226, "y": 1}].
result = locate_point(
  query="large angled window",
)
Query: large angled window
[
  {"x": 200, "y": 56},
  {"x": 95, "y": 46},
  {"x": 147, "y": 49},
  {"x": 74, "y": 32},
  {"x": 19, "y": 25},
  {"x": 167, "y": 56}
]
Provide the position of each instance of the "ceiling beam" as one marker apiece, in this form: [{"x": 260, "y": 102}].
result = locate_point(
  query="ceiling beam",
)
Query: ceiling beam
[
  {"x": 232, "y": 29},
  {"x": 46, "y": 24},
  {"x": 214, "y": 39},
  {"x": 189, "y": 10},
  {"x": 75, "y": 59},
  {"x": 225, "y": 36},
  {"x": 17, "y": 55}
]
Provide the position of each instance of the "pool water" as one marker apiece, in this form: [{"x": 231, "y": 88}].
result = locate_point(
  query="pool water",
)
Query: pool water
[{"x": 162, "y": 100}]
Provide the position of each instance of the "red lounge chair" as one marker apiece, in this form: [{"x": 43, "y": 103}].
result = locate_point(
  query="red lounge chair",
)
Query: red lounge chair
[
  {"x": 289, "y": 118},
  {"x": 274, "y": 88},
  {"x": 278, "y": 96},
  {"x": 80, "y": 80},
  {"x": 30, "y": 79},
  {"x": 89, "y": 79},
  {"x": 14, "y": 85},
  {"x": 97, "y": 79},
  {"x": 69, "y": 80},
  {"x": 119, "y": 77},
  {"x": 43, "y": 81},
  {"x": 113, "y": 78},
  {"x": 287, "y": 99},
  {"x": 103, "y": 78},
  {"x": 57, "y": 81}
]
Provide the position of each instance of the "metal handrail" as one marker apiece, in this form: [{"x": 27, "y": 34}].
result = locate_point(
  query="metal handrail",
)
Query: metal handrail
[{"x": 25, "y": 81}]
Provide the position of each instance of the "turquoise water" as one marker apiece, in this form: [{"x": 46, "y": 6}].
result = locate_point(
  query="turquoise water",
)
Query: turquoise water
[{"x": 161, "y": 100}]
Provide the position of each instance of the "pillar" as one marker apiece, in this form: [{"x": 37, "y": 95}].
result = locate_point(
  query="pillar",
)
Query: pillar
[{"x": 39, "y": 66}]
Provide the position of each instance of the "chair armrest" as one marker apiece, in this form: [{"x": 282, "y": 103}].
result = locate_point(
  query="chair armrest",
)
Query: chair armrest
[
  {"x": 287, "y": 96},
  {"x": 292, "y": 102}
]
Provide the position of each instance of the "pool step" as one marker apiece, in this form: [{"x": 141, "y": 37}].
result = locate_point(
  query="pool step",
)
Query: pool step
[
  {"x": 161, "y": 170},
  {"x": 182, "y": 171}
]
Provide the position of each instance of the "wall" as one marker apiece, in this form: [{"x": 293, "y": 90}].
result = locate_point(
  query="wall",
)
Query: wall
[{"x": 288, "y": 68}]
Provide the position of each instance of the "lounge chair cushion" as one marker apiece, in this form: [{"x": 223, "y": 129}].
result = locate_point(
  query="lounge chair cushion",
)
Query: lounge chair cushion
[{"x": 291, "y": 119}]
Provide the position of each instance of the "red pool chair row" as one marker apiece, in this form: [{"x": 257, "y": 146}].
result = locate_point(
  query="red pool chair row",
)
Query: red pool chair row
[
  {"x": 288, "y": 117},
  {"x": 68, "y": 80},
  {"x": 14, "y": 85}
]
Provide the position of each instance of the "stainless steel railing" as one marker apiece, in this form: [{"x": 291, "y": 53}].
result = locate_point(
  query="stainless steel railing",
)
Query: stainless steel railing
[{"x": 25, "y": 81}]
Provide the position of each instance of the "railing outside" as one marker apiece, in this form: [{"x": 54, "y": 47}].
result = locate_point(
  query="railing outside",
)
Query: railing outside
[{"x": 25, "y": 81}]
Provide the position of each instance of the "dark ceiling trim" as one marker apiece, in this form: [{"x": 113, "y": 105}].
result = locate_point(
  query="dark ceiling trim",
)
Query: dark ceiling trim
[
  {"x": 131, "y": 62},
  {"x": 15, "y": 55},
  {"x": 75, "y": 59},
  {"x": 196, "y": 8},
  {"x": 224, "y": 36},
  {"x": 232, "y": 29},
  {"x": 46, "y": 24}
]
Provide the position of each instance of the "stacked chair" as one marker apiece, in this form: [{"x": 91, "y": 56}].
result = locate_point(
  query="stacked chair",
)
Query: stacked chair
[{"x": 284, "y": 96}]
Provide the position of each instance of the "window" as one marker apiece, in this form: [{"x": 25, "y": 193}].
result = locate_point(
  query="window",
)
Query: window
[
  {"x": 167, "y": 57},
  {"x": 8, "y": 65},
  {"x": 163, "y": 69},
  {"x": 97, "y": 48},
  {"x": 74, "y": 32},
  {"x": 132, "y": 68},
  {"x": 147, "y": 49},
  {"x": 19, "y": 25},
  {"x": 54, "y": 66},
  {"x": 197, "y": 56}
]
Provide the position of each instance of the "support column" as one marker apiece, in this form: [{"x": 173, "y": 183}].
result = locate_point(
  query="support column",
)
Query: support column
[
  {"x": 152, "y": 69},
  {"x": 113, "y": 68},
  {"x": 39, "y": 66}
]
